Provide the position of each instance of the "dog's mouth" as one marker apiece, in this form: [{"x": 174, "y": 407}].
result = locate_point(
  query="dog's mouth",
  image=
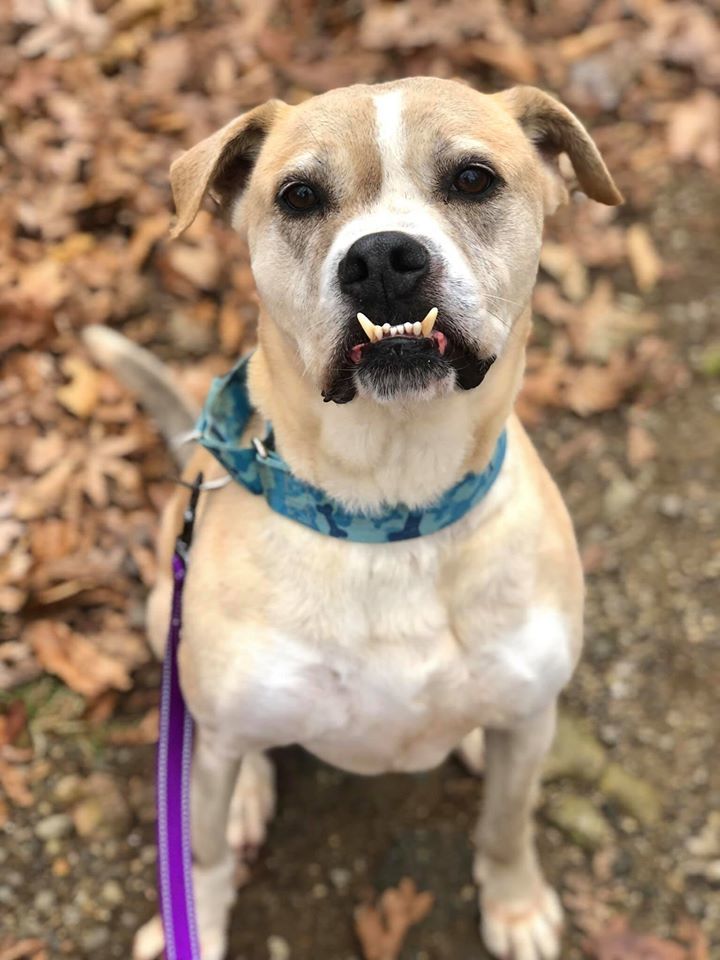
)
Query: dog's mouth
[{"x": 391, "y": 360}]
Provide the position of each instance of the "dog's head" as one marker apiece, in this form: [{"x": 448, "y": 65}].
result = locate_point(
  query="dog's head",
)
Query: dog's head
[{"x": 395, "y": 230}]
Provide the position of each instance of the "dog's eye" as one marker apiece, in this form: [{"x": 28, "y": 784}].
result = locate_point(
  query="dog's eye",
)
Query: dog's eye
[
  {"x": 474, "y": 180},
  {"x": 299, "y": 197}
]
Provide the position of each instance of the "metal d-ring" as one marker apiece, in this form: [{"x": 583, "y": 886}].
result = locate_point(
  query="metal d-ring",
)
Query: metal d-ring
[{"x": 260, "y": 448}]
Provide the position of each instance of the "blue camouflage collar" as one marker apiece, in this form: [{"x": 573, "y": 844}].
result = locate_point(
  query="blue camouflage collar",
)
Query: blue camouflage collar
[{"x": 258, "y": 467}]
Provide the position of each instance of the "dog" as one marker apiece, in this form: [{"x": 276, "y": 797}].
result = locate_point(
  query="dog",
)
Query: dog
[{"x": 394, "y": 234}]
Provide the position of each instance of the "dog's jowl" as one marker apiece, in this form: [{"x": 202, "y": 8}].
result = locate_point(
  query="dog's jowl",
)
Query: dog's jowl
[{"x": 394, "y": 234}]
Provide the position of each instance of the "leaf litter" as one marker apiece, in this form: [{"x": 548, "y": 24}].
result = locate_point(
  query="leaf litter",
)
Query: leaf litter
[{"x": 98, "y": 98}]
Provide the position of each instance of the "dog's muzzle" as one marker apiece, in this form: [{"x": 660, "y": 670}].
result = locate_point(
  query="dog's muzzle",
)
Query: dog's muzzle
[{"x": 395, "y": 344}]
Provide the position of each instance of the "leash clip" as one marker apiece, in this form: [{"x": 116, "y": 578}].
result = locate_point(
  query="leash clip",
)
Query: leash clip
[{"x": 183, "y": 542}]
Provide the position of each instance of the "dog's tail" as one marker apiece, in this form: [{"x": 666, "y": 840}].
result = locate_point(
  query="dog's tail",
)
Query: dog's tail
[{"x": 145, "y": 375}]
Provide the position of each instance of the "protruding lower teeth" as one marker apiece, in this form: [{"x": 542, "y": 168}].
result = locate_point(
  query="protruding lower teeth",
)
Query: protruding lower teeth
[
  {"x": 367, "y": 326},
  {"x": 418, "y": 329},
  {"x": 429, "y": 322}
]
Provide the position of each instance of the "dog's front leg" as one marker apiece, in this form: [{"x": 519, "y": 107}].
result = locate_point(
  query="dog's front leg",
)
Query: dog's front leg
[
  {"x": 214, "y": 773},
  {"x": 521, "y": 914}
]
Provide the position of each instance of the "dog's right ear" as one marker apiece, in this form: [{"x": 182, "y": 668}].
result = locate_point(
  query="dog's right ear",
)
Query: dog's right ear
[{"x": 220, "y": 164}]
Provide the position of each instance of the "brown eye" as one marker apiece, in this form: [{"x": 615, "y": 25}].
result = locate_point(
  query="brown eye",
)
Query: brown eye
[
  {"x": 474, "y": 181},
  {"x": 299, "y": 197}
]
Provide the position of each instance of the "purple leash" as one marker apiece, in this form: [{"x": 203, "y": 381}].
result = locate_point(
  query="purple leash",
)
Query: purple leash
[{"x": 174, "y": 756}]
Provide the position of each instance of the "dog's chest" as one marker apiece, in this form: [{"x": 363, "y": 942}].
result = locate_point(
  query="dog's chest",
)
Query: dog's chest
[{"x": 384, "y": 661}]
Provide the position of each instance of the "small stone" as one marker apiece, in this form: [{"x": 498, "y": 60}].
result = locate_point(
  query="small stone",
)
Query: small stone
[
  {"x": 319, "y": 891},
  {"x": 637, "y": 797},
  {"x": 576, "y": 753},
  {"x": 54, "y": 827},
  {"x": 104, "y": 812},
  {"x": 94, "y": 938},
  {"x": 340, "y": 879},
  {"x": 45, "y": 901},
  {"x": 68, "y": 789},
  {"x": 671, "y": 506},
  {"x": 707, "y": 842},
  {"x": 619, "y": 496},
  {"x": 60, "y": 867},
  {"x": 278, "y": 948},
  {"x": 112, "y": 893},
  {"x": 578, "y": 819},
  {"x": 87, "y": 817}
]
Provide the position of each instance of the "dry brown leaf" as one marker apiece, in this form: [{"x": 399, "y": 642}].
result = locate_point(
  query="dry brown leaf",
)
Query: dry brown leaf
[
  {"x": 602, "y": 326},
  {"x": 561, "y": 261},
  {"x": 641, "y": 447},
  {"x": 690, "y": 933},
  {"x": 381, "y": 929},
  {"x": 581, "y": 45},
  {"x": 618, "y": 942},
  {"x": 12, "y": 722},
  {"x": 543, "y": 385},
  {"x": 17, "y": 664},
  {"x": 45, "y": 495},
  {"x": 75, "y": 658},
  {"x": 693, "y": 131},
  {"x": 144, "y": 732},
  {"x": 13, "y": 780},
  {"x": 80, "y": 395},
  {"x": 20, "y": 949},
  {"x": 644, "y": 259},
  {"x": 592, "y": 389}
]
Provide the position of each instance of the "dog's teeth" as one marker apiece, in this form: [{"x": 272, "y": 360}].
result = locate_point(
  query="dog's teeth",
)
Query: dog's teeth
[
  {"x": 417, "y": 328},
  {"x": 378, "y": 332},
  {"x": 367, "y": 326},
  {"x": 429, "y": 322},
  {"x": 386, "y": 328},
  {"x": 408, "y": 328}
]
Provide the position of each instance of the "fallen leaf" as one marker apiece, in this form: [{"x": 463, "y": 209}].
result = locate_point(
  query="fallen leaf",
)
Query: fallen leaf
[
  {"x": 592, "y": 389},
  {"x": 644, "y": 259},
  {"x": 75, "y": 658},
  {"x": 12, "y": 722},
  {"x": 693, "y": 131},
  {"x": 20, "y": 949},
  {"x": 144, "y": 732},
  {"x": 80, "y": 396},
  {"x": 561, "y": 261},
  {"x": 13, "y": 780},
  {"x": 382, "y": 928},
  {"x": 641, "y": 447},
  {"x": 690, "y": 933},
  {"x": 618, "y": 942},
  {"x": 43, "y": 496}
]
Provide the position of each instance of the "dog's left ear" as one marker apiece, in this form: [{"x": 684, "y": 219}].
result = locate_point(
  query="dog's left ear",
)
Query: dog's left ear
[
  {"x": 553, "y": 129},
  {"x": 221, "y": 163}
]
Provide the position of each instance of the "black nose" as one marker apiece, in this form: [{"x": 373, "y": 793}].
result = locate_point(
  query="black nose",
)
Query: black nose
[{"x": 383, "y": 267}]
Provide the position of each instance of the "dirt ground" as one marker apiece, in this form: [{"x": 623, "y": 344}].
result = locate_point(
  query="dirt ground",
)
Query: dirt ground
[{"x": 647, "y": 687}]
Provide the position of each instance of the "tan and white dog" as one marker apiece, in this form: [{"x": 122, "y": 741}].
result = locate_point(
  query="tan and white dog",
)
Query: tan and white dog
[{"x": 392, "y": 201}]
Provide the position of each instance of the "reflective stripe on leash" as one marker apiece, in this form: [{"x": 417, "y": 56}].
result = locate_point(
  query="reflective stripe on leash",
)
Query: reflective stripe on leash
[{"x": 174, "y": 757}]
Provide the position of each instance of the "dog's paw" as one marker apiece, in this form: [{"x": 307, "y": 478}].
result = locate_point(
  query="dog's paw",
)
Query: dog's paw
[
  {"x": 214, "y": 894},
  {"x": 252, "y": 806},
  {"x": 149, "y": 943},
  {"x": 523, "y": 929},
  {"x": 472, "y": 751}
]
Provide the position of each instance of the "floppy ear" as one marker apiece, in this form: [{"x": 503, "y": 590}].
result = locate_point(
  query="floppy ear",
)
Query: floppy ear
[
  {"x": 221, "y": 164},
  {"x": 554, "y": 129}
]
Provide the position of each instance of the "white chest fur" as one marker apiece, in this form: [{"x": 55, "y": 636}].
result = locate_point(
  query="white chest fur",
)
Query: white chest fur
[{"x": 373, "y": 657}]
